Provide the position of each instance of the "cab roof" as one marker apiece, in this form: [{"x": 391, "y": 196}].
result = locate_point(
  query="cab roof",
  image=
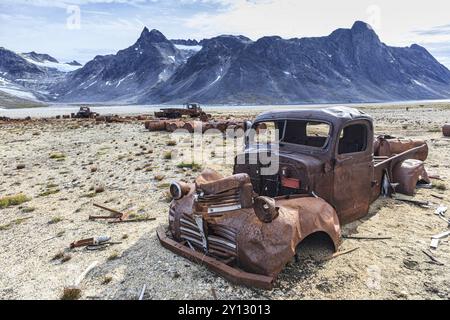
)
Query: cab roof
[{"x": 336, "y": 115}]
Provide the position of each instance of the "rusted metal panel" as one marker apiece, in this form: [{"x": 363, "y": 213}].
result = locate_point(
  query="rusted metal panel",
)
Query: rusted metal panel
[{"x": 407, "y": 174}]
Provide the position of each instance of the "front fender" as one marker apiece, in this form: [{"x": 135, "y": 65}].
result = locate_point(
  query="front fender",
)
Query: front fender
[{"x": 265, "y": 248}]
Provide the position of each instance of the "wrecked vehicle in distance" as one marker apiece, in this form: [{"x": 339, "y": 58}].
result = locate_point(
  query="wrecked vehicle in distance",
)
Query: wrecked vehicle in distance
[
  {"x": 192, "y": 110},
  {"x": 84, "y": 113},
  {"x": 329, "y": 169}
]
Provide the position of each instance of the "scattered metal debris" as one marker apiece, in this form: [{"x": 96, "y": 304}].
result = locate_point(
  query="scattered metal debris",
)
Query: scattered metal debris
[
  {"x": 442, "y": 235},
  {"x": 90, "y": 242},
  {"x": 366, "y": 238},
  {"x": 432, "y": 258},
  {"x": 434, "y": 243},
  {"x": 437, "y": 196},
  {"x": 419, "y": 203},
  {"x": 341, "y": 253},
  {"x": 118, "y": 217},
  {"x": 435, "y": 240},
  {"x": 141, "y": 296},
  {"x": 441, "y": 210}
]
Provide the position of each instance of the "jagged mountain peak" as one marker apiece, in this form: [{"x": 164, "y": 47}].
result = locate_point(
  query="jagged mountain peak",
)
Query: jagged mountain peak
[
  {"x": 153, "y": 36},
  {"x": 361, "y": 26}
]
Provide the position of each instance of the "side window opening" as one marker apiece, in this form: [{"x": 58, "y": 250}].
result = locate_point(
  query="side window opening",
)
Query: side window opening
[
  {"x": 268, "y": 132},
  {"x": 353, "y": 139}
]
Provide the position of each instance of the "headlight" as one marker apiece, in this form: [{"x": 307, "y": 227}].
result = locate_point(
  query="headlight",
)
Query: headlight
[
  {"x": 265, "y": 209},
  {"x": 179, "y": 189}
]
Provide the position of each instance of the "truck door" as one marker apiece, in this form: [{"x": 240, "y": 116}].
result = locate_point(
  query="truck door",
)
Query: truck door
[{"x": 353, "y": 171}]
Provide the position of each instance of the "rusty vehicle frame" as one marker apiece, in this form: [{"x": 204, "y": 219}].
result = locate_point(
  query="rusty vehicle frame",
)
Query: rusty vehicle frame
[
  {"x": 247, "y": 227},
  {"x": 192, "y": 110}
]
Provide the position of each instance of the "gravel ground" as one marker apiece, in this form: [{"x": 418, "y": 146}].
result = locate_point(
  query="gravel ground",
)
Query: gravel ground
[{"x": 128, "y": 163}]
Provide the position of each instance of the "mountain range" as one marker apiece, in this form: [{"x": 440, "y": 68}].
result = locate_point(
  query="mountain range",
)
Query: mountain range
[{"x": 349, "y": 65}]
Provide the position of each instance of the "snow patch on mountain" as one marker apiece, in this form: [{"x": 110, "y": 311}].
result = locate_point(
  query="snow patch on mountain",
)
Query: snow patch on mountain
[
  {"x": 63, "y": 67},
  {"x": 191, "y": 48}
]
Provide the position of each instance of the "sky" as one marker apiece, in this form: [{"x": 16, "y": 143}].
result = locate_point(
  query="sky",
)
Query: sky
[{"x": 82, "y": 29}]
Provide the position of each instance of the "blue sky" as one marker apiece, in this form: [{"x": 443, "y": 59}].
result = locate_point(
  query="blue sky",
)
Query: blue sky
[{"x": 106, "y": 26}]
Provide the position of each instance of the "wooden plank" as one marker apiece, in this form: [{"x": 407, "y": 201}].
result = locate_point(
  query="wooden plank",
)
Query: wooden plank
[{"x": 229, "y": 273}]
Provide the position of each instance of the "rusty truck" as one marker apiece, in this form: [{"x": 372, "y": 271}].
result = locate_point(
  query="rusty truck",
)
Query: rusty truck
[
  {"x": 192, "y": 110},
  {"x": 331, "y": 167}
]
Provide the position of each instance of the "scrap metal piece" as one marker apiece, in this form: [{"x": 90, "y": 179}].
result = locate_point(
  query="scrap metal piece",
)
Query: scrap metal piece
[
  {"x": 432, "y": 258},
  {"x": 441, "y": 210},
  {"x": 118, "y": 217},
  {"x": 141, "y": 296},
  {"x": 442, "y": 235},
  {"x": 408, "y": 174},
  {"x": 434, "y": 243},
  {"x": 419, "y": 203},
  {"x": 90, "y": 242}
]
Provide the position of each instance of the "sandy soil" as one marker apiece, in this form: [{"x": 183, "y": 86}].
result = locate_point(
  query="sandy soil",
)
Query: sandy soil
[{"x": 124, "y": 159}]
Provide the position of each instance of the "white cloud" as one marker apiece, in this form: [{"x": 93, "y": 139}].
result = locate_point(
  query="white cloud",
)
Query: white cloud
[{"x": 293, "y": 18}]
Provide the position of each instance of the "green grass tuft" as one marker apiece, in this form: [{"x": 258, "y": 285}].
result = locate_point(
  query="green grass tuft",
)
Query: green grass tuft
[
  {"x": 189, "y": 165},
  {"x": 9, "y": 201},
  {"x": 57, "y": 156}
]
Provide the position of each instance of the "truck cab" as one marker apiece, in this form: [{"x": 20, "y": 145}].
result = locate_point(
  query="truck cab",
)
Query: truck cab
[
  {"x": 325, "y": 152},
  {"x": 193, "y": 106}
]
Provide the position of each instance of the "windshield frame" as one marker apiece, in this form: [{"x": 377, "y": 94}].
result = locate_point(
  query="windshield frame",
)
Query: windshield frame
[{"x": 281, "y": 143}]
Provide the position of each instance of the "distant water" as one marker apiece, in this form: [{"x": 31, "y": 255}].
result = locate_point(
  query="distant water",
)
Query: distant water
[{"x": 54, "y": 110}]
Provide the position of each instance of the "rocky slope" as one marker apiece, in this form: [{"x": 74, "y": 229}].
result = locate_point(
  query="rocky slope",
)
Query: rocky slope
[{"x": 125, "y": 75}]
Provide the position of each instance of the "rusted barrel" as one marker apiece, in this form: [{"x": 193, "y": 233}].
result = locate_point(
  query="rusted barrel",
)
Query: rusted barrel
[
  {"x": 192, "y": 126},
  {"x": 446, "y": 130},
  {"x": 207, "y": 126},
  {"x": 155, "y": 125},
  {"x": 221, "y": 126},
  {"x": 174, "y": 125}
]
